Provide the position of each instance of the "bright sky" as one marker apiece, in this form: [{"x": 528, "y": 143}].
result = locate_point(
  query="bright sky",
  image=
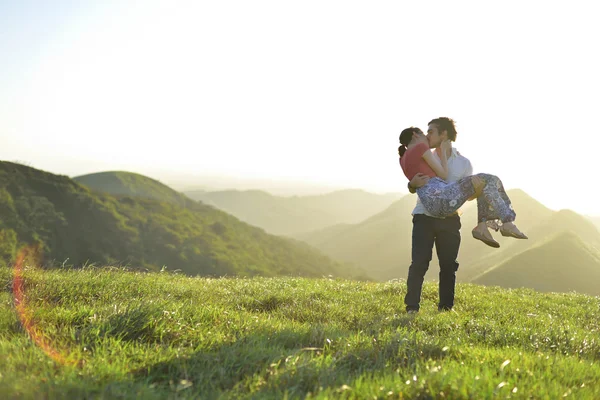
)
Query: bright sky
[{"x": 307, "y": 90}]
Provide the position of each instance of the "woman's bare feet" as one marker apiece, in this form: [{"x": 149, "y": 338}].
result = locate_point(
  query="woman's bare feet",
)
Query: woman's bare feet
[
  {"x": 509, "y": 229},
  {"x": 481, "y": 232}
]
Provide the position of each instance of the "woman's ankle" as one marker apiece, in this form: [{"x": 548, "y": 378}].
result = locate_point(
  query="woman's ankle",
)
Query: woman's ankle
[{"x": 482, "y": 226}]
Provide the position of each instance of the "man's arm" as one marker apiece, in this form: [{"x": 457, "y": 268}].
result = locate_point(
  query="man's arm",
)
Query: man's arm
[{"x": 417, "y": 181}]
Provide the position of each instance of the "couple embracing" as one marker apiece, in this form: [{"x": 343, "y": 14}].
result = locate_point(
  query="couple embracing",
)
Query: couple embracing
[{"x": 443, "y": 180}]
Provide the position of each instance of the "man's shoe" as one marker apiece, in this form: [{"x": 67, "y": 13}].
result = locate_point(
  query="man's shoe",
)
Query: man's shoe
[
  {"x": 446, "y": 309},
  {"x": 412, "y": 311}
]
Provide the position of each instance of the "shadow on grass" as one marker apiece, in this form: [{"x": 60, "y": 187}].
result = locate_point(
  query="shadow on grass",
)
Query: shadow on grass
[{"x": 269, "y": 362}]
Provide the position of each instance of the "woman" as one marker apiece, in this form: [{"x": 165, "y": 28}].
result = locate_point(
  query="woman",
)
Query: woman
[{"x": 442, "y": 199}]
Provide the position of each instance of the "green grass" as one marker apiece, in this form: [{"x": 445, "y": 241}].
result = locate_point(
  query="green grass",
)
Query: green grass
[{"x": 152, "y": 336}]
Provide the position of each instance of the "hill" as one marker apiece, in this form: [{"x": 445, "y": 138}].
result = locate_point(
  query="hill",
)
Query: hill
[
  {"x": 381, "y": 244},
  {"x": 123, "y": 183},
  {"x": 323, "y": 235},
  {"x": 70, "y": 222},
  {"x": 296, "y": 214},
  {"x": 563, "y": 263},
  {"x": 530, "y": 213},
  {"x": 559, "y": 222},
  {"x": 596, "y": 221},
  {"x": 104, "y": 333}
]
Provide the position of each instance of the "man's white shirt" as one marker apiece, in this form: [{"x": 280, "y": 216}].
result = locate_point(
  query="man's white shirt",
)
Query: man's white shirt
[{"x": 458, "y": 167}]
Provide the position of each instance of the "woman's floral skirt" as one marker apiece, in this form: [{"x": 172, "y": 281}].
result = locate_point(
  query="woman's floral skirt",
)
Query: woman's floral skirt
[{"x": 442, "y": 199}]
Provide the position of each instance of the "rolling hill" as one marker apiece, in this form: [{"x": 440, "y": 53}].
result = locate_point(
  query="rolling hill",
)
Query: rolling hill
[
  {"x": 563, "y": 221},
  {"x": 130, "y": 184},
  {"x": 595, "y": 220},
  {"x": 69, "y": 222},
  {"x": 563, "y": 263},
  {"x": 381, "y": 244},
  {"x": 530, "y": 213},
  {"x": 296, "y": 214}
]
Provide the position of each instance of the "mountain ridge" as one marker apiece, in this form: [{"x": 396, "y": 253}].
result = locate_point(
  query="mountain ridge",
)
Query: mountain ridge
[
  {"x": 296, "y": 214},
  {"x": 382, "y": 243},
  {"x": 565, "y": 261},
  {"x": 68, "y": 220},
  {"x": 130, "y": 184}
]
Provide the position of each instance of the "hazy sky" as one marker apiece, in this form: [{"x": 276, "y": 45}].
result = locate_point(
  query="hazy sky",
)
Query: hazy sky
[{"x": 307, "y": 90}]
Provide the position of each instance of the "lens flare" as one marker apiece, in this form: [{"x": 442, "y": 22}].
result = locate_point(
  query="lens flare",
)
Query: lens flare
[{"x": 25, "y": 312}]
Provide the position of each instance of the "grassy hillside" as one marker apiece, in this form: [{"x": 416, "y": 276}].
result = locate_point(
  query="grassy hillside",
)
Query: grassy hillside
[
  {"x": 101, "y": 333},
  {"x": 563, "y": 263},
  {"x": 296, "y": 214},
  {"x": 68, "y": 221},
  {"x": 130, "y": 184}
]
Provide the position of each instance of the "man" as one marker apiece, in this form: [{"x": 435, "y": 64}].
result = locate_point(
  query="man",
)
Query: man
[{"x": 428, "y": 230}]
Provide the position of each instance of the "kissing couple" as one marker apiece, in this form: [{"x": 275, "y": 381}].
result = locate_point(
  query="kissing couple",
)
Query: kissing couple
[{"x": 443, "y": 180}]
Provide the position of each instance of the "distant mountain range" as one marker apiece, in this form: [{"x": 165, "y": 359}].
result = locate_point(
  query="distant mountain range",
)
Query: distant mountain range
[
  {"x": 475, "y": 256},
  {"x": 120, "y": 217},
  {"x": 146, "y": 225},
  {"x": 546, "y": 229},
  {"x": 563, "y": 262},
  {"x": 296, "y": 214},
  {"x": 381, "y": 245}
]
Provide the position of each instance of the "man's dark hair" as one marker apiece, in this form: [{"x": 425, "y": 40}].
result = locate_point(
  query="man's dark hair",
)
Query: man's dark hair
[{"x": 445, "y": 124}]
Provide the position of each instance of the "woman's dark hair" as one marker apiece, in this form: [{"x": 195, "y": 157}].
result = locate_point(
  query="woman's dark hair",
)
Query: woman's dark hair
[{"x": 405, "y": 138}]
